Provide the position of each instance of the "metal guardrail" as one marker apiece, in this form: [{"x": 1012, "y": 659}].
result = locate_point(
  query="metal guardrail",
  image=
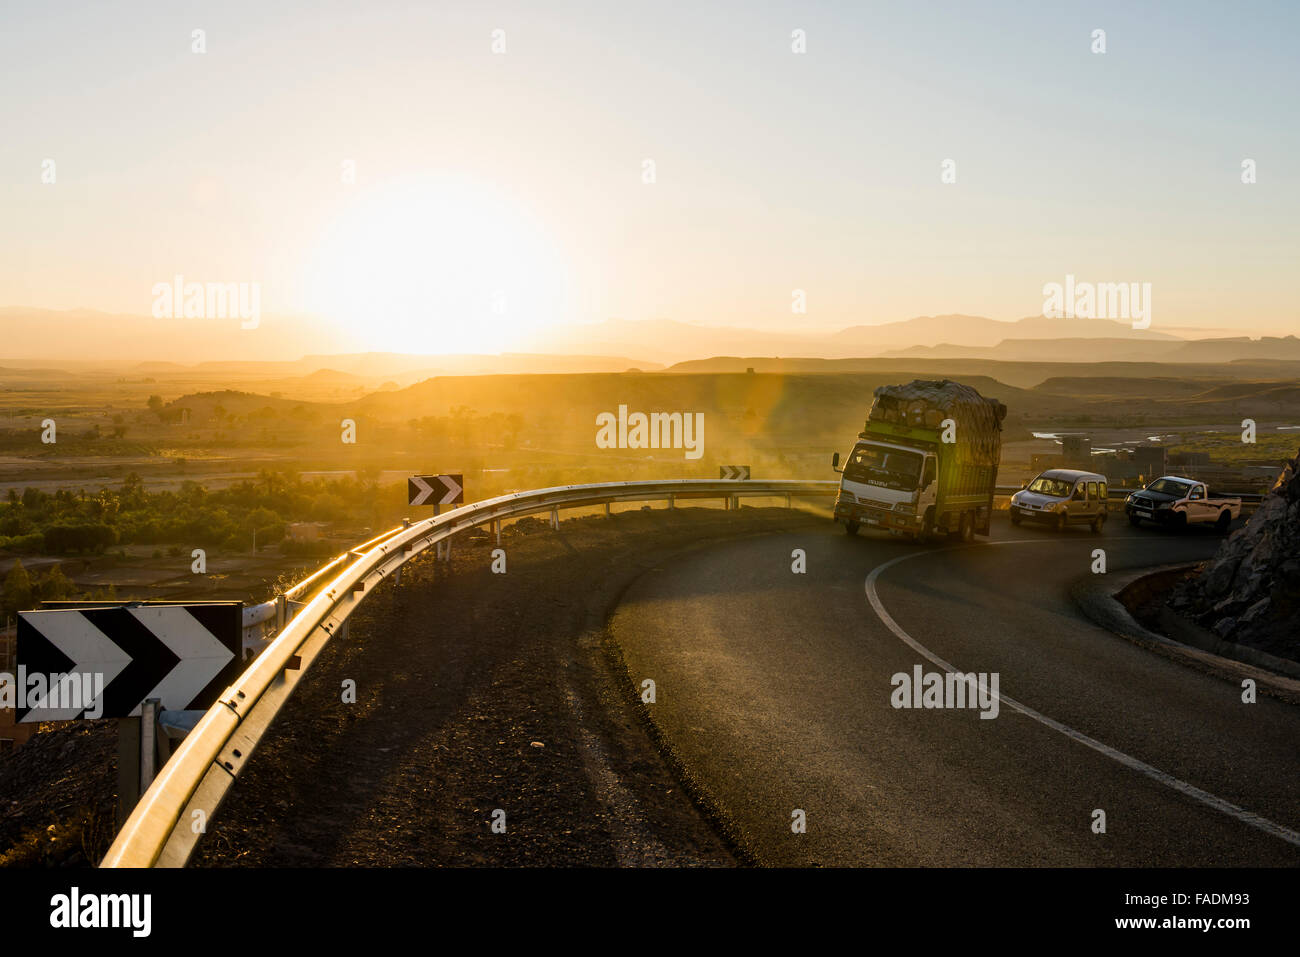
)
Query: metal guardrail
[{"x": 171, "y": 817}]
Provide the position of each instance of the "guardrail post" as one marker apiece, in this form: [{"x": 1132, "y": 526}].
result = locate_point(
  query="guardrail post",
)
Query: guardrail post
[
  {"x": 787, "y": 499},
  {"x": 137, "y": 760},
  {"x": 496, "y": 528},
  {"x": 672, "y": 503},
  {"x": 281, "y": 612},
  {"x": 555, "y": 518},
  {"x": 608, "y": 513},
  {"x": 397, "y": 578}
]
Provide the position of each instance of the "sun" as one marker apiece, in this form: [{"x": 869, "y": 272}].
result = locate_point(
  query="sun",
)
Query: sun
[{"x": 436, "y": 265}]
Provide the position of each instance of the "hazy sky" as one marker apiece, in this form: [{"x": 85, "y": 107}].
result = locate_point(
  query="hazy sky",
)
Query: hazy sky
[{"x": 519, "y": 175}]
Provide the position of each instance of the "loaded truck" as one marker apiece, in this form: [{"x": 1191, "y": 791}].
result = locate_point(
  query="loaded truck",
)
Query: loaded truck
[{"x": 925, "y": 464}]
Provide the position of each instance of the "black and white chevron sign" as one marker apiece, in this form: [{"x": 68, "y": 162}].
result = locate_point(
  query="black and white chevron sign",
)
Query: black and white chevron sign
[
  {"x": 435, "y": 489},
  {"x": 184, "y": 654},
  {"x": 733, "y": 471}
]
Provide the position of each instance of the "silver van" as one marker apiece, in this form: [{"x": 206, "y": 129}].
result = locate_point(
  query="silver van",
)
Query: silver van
[{"x": 1062, "y": 497}]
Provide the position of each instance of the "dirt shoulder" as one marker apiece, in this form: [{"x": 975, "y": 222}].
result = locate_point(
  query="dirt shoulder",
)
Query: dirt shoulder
[{"x": 479, "y": 692}]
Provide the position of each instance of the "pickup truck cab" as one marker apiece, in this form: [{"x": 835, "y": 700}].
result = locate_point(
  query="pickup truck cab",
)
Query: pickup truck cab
[
  {"x": 1062, "y": 497},
  {"x": 1173, "y": 500}
]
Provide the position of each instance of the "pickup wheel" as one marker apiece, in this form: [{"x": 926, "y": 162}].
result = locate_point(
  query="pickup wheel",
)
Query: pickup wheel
[
  {"x": 851, "y": 527},
  {"x": 1180, "y": 522},
  {"x": 1134, "y": 520},
  {"x": 1225, "y": 520}
]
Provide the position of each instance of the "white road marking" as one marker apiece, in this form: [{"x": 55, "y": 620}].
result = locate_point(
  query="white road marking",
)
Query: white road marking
[{"x": 1155, "y": 774}]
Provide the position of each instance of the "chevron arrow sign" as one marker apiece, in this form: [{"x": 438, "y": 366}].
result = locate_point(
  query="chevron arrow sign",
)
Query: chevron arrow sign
[
  {"x": 120, "y": 656},
  {"x": 738, "y": 472},
  {"x": 435, "y": 489}
]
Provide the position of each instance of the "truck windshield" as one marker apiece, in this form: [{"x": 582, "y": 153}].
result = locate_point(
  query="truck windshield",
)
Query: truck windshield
[
  {"x": 1169, "y": 487},
  {"x": 879, "y": 465},
  {"x": 1057, "y": 488}
]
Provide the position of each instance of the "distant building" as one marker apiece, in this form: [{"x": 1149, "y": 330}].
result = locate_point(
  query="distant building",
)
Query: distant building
[
  {"x": 1076, "y": 451},
  {"x": 306, "y": 531},
  {"x": 1150, "y": 460},
  {"x": 1042, "y": 461}
]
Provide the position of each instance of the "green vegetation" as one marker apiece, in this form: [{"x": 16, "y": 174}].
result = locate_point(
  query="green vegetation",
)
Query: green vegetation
[
  {"x": 20, "y": 591},
  {"x": 1270, "y": 448},
  {"x": 69, "y": 523}
]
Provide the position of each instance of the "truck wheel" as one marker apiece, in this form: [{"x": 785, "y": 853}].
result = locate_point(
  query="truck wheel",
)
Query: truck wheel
[
  {"x": 851, "y": 527},
  {"x": 966, "y": 528},
  {"x": 927, "y": 529},
  {"x": 1225, "y": 520}
]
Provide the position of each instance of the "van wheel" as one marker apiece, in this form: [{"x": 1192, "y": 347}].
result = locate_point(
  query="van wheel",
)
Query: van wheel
[
  {"x": 1058, "y": 524},
  {"x": 1225, "y": 520},
  {"x": 966, "y": 528},
  {"x": 1097, "y": 523},
  {"x": 1015, "y": 518},
  {"x": 851, "y": 527}
]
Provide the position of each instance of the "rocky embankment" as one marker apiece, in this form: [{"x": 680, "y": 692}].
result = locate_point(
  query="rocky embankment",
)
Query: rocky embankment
[{"x": 1249, "y": 593}]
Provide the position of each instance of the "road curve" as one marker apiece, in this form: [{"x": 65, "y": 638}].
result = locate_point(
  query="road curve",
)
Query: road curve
[{"x": 773, "y": 692}]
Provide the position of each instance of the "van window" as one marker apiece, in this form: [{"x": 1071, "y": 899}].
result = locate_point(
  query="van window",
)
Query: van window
[
  {"x": 1102, "y": 491},
  {"x": 1092, "y": 491},
  {"x": 1079, "y": 492}
]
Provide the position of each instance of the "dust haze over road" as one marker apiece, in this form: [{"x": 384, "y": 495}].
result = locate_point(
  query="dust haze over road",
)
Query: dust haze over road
[{"x": 774, "y": 694}]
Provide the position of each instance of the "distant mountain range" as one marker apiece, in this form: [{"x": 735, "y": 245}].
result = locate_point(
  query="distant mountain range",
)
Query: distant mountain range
[
  {"x": 43, "y": 338},
  {"x": 1115, "y": 350},
  {"x": 664, "y": 340}
]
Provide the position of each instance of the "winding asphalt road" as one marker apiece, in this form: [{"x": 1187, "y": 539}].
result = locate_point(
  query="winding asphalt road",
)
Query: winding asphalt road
[{"x": 773, "y": 693}]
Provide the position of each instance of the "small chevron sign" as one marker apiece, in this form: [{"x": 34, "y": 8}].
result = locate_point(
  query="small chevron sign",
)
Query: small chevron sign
[
  {"x": 738, "y": 472},
  {"x": 435, "y": 489},
  {"x": 116, "y": 657}
]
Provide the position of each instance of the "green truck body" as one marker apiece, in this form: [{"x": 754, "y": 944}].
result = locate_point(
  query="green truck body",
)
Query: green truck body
[{"x": 931, "y": 471}]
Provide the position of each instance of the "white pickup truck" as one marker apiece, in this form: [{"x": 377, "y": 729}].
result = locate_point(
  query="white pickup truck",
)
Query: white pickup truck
[{"x": 1176, "y": 501}]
